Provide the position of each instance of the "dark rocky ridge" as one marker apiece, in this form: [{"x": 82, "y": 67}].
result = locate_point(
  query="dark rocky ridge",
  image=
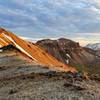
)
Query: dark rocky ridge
[{"x": 68, "y": 51}]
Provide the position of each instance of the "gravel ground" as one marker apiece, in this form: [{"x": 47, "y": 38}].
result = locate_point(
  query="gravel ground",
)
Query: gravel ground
[{"x": 24, "y": 80}]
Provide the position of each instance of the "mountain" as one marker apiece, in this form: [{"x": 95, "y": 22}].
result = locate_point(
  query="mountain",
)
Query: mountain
[
  {"x": 68, "y": 52},
  {"x": 32, "y": 51},
  {"x": 29, "y": 70},
  {"x": 96, "y": 63},
  {"x": 95, "y": 46}
]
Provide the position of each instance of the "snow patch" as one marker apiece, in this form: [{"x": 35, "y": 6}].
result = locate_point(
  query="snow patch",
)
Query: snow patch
[
  {"x": 67, "y": 61},
  {"x": 68, "y": 55},
  {"x": 1, "y": 50},
  {"x": 95, "y": 46},
  {"x": 18, "y": 46}
]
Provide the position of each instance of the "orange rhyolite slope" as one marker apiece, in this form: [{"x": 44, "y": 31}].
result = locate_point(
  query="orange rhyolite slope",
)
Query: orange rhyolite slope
[{"x": 32, "y": 51}]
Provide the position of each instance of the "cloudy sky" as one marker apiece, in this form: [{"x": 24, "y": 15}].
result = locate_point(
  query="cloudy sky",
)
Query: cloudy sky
[{"x": 75, "y": 19}]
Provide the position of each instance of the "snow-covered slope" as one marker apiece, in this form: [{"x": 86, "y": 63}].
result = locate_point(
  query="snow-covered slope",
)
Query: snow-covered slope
[{"x": 95, "y": 46}]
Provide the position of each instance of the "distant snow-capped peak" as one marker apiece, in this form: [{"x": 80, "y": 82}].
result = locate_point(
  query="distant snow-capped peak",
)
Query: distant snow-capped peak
[{"x": 95, "y": 46}]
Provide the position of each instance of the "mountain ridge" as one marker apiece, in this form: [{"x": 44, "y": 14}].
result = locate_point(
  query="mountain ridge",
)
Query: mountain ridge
[
  {"x": 32, "y": 51},
  {"x": 69, "y": 52},
  {"x": 94, "y": 46}
]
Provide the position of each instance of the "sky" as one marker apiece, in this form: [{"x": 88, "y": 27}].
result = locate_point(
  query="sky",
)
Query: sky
[{"x": 78, "y": 20}]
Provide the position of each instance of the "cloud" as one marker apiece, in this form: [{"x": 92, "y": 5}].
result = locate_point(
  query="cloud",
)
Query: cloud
[{"x": 51, "y": 18}]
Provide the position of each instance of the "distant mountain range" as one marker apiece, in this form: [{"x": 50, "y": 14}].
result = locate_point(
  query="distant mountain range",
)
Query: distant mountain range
[{"x": 95, "y": 46}]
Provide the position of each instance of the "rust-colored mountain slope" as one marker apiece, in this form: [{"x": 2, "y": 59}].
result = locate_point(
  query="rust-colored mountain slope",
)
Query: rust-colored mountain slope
[{"x": 32, "y": 51}]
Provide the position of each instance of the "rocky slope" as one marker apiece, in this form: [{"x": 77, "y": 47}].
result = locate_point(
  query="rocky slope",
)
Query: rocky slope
[
  {"x": 32, "y": 51},
  {"x": 22, "y": 79},
  {"x": 69, "y": 52}
]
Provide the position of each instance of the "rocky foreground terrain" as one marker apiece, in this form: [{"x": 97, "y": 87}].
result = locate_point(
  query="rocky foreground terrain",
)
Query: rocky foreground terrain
[{"x": 22, "y": 79}]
